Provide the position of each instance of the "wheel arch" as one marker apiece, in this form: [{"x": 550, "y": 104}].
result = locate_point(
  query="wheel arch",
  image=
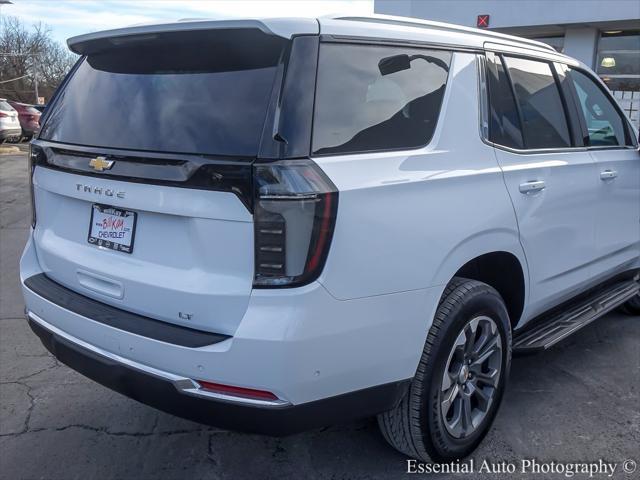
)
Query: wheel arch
[
  {"x": 497, "y": 259},
  {"x": 502, "y": 271}
]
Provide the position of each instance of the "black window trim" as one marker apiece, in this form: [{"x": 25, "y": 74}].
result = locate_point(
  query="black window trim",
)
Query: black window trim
[
  {"x": 384, "y": 43},
  {"x": 500, "y": 58},
  {"x": 569, "y": 113},
  {"x": 578, "y": 125},
  {"x": 483, "y": 83}
]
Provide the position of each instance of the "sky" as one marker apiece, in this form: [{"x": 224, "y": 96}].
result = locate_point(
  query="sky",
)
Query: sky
[{"x": 67, "y": 18}]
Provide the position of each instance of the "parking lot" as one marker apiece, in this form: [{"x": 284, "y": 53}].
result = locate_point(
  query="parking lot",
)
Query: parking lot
[{"x": 578, "y": 402}]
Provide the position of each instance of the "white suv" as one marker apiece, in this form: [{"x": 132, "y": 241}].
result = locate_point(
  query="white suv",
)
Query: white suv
[
  {"x": 9, "y": 122},
  {"x": 272, "y": 225}
]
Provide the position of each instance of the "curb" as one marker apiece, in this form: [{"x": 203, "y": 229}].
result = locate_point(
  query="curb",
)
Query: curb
[{"x": 8, "y": 150}]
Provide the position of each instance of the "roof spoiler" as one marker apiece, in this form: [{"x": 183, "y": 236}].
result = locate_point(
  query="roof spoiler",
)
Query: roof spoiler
[{"x": 282, "y": 27}]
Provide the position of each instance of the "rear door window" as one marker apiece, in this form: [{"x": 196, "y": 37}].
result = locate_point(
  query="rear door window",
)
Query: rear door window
[
  {"x": 376, "y": 98},
  {"x": 543, "y": 118},
  {"x": 203, "y": 95},
  {"x": 603, "y": 121}
]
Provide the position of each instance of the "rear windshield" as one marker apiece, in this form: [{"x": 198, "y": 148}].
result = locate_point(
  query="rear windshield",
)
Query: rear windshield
[
  {"x": 202, "y": 95},
  {"x": 5, "y": 106}
]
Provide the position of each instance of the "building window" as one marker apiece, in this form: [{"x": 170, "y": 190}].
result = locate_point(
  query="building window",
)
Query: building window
[
  {"x": 556, "y": 42},
  {"x": 618, "y": 64}
]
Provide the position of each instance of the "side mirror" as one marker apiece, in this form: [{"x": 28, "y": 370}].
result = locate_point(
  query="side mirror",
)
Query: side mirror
[{"x": 393, "y": 64}]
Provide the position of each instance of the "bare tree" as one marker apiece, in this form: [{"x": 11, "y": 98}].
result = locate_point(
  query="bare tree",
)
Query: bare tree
[{"x": 30, "y": 55}]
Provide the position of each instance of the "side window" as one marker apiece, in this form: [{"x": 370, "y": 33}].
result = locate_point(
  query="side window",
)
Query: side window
[
  {"x": 540, "y": 104},
  {"x": 605, "y": 126},
  {"x": 504, "y": 124},
  {"x": 374, "y": 98}
]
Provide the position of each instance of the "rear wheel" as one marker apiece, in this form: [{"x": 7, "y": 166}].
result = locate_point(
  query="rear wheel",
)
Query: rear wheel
[
  {"x": 460, "y": 379},
  {"x": 631, "y": 307}
]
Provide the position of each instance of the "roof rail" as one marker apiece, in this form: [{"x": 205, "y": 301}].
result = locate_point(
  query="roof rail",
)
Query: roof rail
[{"x": 415, "y": 22}]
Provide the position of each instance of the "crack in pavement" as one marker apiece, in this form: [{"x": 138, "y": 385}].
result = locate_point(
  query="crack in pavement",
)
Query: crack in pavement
[
  {"x": 32, "y": 403},
  {"x": 105, "y": 431},
  {"x": 26, "y": 377}
]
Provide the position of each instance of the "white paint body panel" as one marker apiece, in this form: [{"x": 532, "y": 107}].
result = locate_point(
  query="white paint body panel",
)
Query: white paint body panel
[
  {"x": 399, "y": 225},
  {"x": 301, "y": 344},
  {"x": 407, "y": 221},
  {"x": 617, "y": 210},
  {"x": 193, "y": 250},
  {"x": 556, "y": 230}
]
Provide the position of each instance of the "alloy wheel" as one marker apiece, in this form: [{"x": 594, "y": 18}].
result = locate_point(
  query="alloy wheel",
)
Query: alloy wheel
[{"x": 471, "y": 376}]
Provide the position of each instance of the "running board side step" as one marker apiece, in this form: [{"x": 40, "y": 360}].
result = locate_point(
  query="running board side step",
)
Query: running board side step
[{"x": 557, "y": 327}]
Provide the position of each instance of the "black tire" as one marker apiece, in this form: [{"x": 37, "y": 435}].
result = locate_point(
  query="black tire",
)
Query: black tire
[
  {"x": 416, "y": 427},
  {"x": 631, "y": 307}
]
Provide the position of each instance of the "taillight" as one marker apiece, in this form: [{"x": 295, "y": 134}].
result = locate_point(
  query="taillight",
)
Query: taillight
[
  {"x": 36, "y": 157},
  {"x": 3, "y": 114},
  {"x": 295, "y": 209}
]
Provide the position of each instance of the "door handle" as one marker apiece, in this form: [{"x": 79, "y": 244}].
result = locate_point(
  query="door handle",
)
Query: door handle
[
  {"x": 532, "y": 187},
  {"x": 608, "y": 175}
]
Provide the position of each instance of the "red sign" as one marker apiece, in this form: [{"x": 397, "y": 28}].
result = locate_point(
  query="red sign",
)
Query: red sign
[{"x": 483, "y": 21}]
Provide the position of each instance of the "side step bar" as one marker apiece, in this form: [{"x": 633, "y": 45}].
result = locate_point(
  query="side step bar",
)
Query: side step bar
[{"x": 557, "y": 327}]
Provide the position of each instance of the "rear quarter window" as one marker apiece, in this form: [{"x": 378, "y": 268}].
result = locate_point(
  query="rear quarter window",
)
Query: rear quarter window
[{"x": 376, "y": 98}]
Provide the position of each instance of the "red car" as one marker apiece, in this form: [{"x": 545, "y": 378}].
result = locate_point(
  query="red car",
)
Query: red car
[{"x": 29, "y": 118}]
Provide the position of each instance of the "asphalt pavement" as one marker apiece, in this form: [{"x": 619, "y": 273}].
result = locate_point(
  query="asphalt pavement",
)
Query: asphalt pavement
[{"x": 578, "y": 402}]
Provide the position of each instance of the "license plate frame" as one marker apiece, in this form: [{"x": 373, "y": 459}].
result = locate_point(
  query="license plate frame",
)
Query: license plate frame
[{"x": 110, "y": 242}]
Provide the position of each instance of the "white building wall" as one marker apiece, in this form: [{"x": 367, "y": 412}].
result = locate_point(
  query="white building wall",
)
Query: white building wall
[
  {"x": 513, "y": 13},
  {"x": 582, "y": 44},
  {"x": 580, "y": 22}
]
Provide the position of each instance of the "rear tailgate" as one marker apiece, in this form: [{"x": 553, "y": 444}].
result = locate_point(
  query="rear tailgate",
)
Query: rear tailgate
[
  {"x": 191, "y": 260},
  {"x": 142, "y": 181}
]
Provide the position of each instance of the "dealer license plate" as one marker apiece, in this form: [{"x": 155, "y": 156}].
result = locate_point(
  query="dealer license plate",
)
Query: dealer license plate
[{"x": 112, "y": 228}]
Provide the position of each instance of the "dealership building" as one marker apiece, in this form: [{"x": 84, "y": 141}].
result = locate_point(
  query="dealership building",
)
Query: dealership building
[{"x": 604, "y": 34}]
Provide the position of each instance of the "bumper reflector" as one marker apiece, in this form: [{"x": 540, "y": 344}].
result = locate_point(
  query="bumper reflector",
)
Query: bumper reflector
[{"x": 236, "y": 391}]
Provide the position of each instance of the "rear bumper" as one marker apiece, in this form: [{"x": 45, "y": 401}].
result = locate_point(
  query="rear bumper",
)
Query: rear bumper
[
  {"x": 327, "y": 359},
  {"x": 177, "y": 395},
  {"x": 10, "y": 133},
  {"x": 30, "y": 129}
]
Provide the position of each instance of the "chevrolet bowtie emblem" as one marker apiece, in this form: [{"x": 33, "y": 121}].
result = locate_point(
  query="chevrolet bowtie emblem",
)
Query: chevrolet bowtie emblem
[{"x": 100, "y": 164}]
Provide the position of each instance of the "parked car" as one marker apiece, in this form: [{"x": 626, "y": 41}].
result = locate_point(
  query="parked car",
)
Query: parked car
[
  {"x": 334, "y": 218},
  {"x": 9, "y": 123},
  {"x": 29, "y": 118}
]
